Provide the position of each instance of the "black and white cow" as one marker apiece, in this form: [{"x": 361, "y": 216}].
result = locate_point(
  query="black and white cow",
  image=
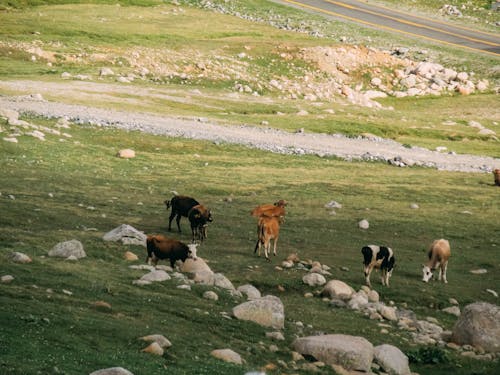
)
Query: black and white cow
[{"x": 381, "y": 257}]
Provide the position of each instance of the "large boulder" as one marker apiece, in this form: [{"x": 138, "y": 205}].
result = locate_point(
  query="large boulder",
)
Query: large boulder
[
  {"x": 392, "y": 360},
  {"x": 127, "y": 234},
  {"x": 200, "y": 271},
  {"x": 73, "y": 248},
  {"x": 314, "y": 279},
  {"x": 267, "y": 311},
  {"x": 227, "y": 355},
  {"x": 337, "y": 289},
  {"x": 479, "y": 326},
  {"x": 350, "y": 352}
]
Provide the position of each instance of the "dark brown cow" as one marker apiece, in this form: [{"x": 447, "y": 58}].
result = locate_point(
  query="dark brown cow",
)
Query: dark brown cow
[
  {"x": 180, "y": 205},
  {"x": 199, "y": 216},
  {"x": 161, "y": 247}
]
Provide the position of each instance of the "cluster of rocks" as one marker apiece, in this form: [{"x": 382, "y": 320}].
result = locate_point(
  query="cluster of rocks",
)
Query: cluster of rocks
[{"x": 18, "y": 128}]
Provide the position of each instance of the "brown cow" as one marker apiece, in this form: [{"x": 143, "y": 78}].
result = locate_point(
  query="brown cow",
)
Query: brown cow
[
  {"x": 277, "y": 209},
  {"x": 161, "y": 247},
  {"x": 268, "y": 229},
  {"x": 199, "y": 216},
  {"x": 181, "y": 205}
]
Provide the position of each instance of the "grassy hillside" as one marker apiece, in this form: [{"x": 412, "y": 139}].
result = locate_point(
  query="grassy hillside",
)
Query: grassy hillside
[
  {"x": 57, "y": 190},
  {"x": 54, "y": 191}
]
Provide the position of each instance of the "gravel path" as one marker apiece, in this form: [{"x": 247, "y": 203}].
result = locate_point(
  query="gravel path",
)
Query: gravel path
[{"x": 261, "y": 138}]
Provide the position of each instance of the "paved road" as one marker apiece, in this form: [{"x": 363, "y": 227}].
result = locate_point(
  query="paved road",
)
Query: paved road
[{"x": 392, "y": 20}]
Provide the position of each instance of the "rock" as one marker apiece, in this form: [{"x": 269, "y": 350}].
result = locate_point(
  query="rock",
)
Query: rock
[
  {"x": 267, "y": 311},
  {"x": 106, "y": 72},
  {"x": 210, "y": 295},
  {"x": 250, "y": 291},
  {"x": 492, "y": 292},
  {"x": 130, "y": 256},
  {"x": 373, "y": 296},
  {"x": 7, "y": 279},
  {"x": 314, "y": 279},
  {"x": 453, "y": 310},
  {"x": 227, "y": 355},
  {"x": 154, "y": 348},
  {"x": 479, "y": 271},
  {"x": 479, "y": 326},
  {"x": 392, "y": 360},
  {"x": 278, "y": 336},
  {"x": 101, "y": 305},
  {"x": 126, "y": 154},
  {"x": 363, "y": 224},
  {"x": 112, "y": 371},
  {"x": 161, "y": 340},
  {"x": 333, "y": 205},
  {"x": 127, "y": 234},
  {"x": 337, "y": 289},
  {"x": 18, "y": 257},
  {"x": 350, "y": 352},
  {"x": 414, "y": 206},
  {"x": 67, "y": 249},
  {"x": 388, "y": 313},
  {"x": 199, "y": 270},
  {"x": 223, "y": 282},
  {"x": 156, "y": 275}
]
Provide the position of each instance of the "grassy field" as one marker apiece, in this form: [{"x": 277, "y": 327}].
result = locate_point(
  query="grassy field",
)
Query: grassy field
[{"x": 55, "y": 191}]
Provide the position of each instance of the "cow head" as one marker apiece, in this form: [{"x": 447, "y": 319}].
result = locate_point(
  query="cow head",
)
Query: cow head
[
  {"x": 192, "y": 251},
  {"x": 427, "y": 273}
]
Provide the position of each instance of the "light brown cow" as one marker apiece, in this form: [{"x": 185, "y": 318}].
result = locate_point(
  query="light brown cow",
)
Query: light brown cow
[
  {"x": 269, "y": 210},
  {"x": 268, "y": 229},
  {"x": 439, "y": 253}
]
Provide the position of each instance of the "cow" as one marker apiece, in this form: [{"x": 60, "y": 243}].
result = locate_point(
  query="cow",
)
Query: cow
[
  {"x": 199, "y": 216},
  {"x": 181, "y": 205},
  {"x": 268, "y": 229},
  {"x": 439, "y": 253},
  {"x": 277, "y": 209},
  {"x": 496, "y": 176},
  {"x": 161, "y": 247},
  {"x": 380, "y": 257}
]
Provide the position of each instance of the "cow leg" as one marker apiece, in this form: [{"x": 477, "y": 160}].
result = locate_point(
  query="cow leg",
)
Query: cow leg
[
  {"x": 274, "y": 249},
  {"x": 367, "y": 277},
  {"x": 172, "y": 215},
  {"x": 267, "y": 249},
  {"x": 257, "y": 247},
  {"x": 383, "y": 276},
  {"x": 443, "y": 268},
  {"x": 178, "y": 220}
]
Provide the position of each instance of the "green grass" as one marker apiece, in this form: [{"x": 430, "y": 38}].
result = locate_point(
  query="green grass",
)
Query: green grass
[{"x": 63, "y": 333}]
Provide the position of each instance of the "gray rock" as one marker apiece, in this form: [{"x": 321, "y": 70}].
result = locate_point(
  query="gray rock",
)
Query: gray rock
[
  {"x": 161, "y": 340},
  {"x": 18, "y": 257},
  {"x": 112, "y": 371},
  {"x": 364, "y": 224},
  {"x": 6, "y": 279},
  {"x": 250, "y": 291},
  {"x": 314, "y": 279},
  {"x": 479, "y": 326},
  {"x": 392, "y": 360},
  {"x": 67, "y": 249},
  {"x": 350, "y": 352},
  {"x": 227, "y": 355},
  {"x": 127, "y": 234},
  {"x": 337, "y": 289},
  {"x": 223, "y": 282},
  {"x": 156, "y": 275},
  {"x": 210, "y": 295},
  {"x": 453, "y": 310},
  {"x": 267, "y": 311}
]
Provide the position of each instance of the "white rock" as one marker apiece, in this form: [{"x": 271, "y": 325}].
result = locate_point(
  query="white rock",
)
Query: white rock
[
  {"x": 210, "y": 295},
  {"x": 392, "y": 360},
  {"x": 250, "y": 291},
  {"x": 156, "y": 275},
  {"x": 227, "y": 355},
  {"x": 68, "y": 248},
  {"x": 18, "y": 257},
  {"x": 363, "y": 224},
  {"x": 314, "y": 279},
  {"x": 112, "y": 371},
  {"x": 6, "y": 279}
]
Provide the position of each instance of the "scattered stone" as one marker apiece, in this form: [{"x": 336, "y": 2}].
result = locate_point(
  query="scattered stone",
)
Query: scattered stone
[
  {"x": 363, "y": 224},
  {"x": 337, "y": 289},
  {"x": 7, "y": 279},
  {"x": 18, "y": 257},
  {"x": 130, "y": 256},
  {"x": 68, "y": 248},
  {"x": 155, "y": 275},
  {"x": 112, "y": 371},
  {"x": 227, "y": 355},
  {"x": 314, "y": 279},
  {"x": 392, "y": 360},
  {"x": 127, "y": 234},
  {"x": 414, "y": 206},
  {"x": 101, "y": 305},
  {"x": 250, "y": 291},
  {"x": 350, "y": 352},
  {"x": 161, "y": 340},
  {"x": 492, "y": 292},
  {"x": 479, "y": 271},
  {"x": 278, "y": 336},
  {"x": 479, "y": 326},
  {"x": 267, "y": 311},
  {"x": 210, "y": 295},
  {"x": 154, "y": 348},
  {"x": 106, "y": 72},
  {"x": 126, "y": 154},
  {"x": 453, "y": 310}
]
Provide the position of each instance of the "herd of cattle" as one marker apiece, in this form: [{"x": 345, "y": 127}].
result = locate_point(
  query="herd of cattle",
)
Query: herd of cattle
[{"x": 269, "y": 219}]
